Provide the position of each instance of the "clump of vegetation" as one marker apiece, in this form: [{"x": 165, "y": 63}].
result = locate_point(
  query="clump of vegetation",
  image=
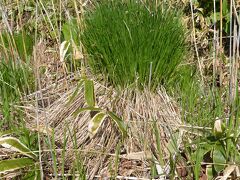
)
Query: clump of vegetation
[
  {"x": 129, "y": 42},
  {"x": 16, "y": 76},
  {"x": 15, "y": 79}
]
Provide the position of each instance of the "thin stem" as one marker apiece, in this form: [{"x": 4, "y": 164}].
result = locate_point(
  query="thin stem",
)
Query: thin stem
[
  {"x": 230, "y": 56},
  {"x": 36, "y": 104},
  {"x": 195, "y": 44},
  {"x": 221, "y": 23}
]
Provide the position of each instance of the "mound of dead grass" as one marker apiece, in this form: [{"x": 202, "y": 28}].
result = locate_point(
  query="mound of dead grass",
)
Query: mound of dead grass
[{"x": 142, "y": 111}]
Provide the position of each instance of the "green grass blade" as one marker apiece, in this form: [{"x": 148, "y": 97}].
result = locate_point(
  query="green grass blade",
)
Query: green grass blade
[
  {"x": 74, "y": 93},
  {"x": 158, "y": 142}
]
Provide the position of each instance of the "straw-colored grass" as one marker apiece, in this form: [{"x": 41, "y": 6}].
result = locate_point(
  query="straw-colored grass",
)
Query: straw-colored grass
[{"x": 139, "y": 111}]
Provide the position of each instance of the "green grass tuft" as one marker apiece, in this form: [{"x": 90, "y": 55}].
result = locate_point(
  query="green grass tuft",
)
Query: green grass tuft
[
  {"x": 15, "y": 80},
  {"x": 128, "y": 43}
]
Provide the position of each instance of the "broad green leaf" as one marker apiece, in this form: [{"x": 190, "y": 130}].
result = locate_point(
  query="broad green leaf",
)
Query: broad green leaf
[
  {"x": 80, "y": 110},
  {"x": 122, "y": 127},
  {"x": 14, "y": 164},
  {"x": 219, "y": 158},
  {"x": 89, "y": 93},
  {"x": 71, "y": 32},
  {"x": 75, "y": 93},
  {"x": 63, "y": 50},
  {"x": 15, "y": 145},
  {"x": 96, "y": 122}
]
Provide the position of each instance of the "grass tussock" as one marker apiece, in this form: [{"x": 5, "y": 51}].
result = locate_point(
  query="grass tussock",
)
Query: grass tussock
[
  {"x": 128, "y": 42},
  {"x": 148, "y": 124},
  {"x": 15, "y": 81}
]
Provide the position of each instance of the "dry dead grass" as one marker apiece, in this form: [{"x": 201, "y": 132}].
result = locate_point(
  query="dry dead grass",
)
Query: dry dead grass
[{"x": 138, "y": 110}]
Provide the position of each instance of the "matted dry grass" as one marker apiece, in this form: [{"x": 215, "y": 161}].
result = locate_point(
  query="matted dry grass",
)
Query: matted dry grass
[{"x": 139, "y": 110}]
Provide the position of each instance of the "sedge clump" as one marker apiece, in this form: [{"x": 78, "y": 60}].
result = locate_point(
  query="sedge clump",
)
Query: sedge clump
[{"x": 130, "y": 43}]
